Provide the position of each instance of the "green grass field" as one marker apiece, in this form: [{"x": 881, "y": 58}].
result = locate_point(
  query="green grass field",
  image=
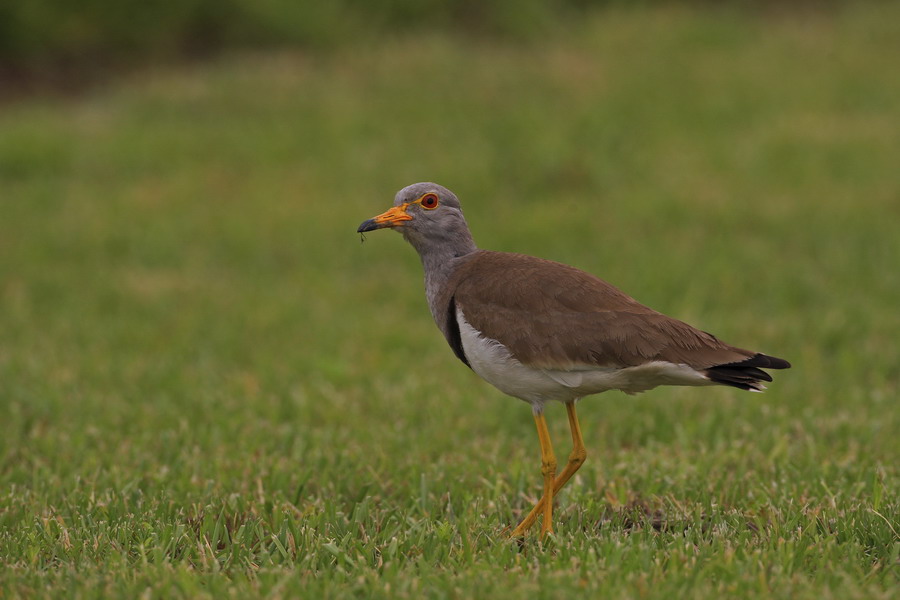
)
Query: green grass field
[{"x": 210, "y": 388}]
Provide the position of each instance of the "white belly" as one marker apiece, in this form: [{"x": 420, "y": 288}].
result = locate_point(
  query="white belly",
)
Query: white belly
[{"x": 493, "y": 362}]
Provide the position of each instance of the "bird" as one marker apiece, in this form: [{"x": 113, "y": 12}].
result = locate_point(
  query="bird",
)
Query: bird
[{"x": 543, "y": 331}]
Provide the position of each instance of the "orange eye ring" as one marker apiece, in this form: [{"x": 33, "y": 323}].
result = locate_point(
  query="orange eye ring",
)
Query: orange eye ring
[{"x": 429, "y": 201}]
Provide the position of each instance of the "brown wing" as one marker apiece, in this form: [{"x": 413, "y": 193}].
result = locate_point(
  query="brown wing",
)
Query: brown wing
[{"x": 551, "y": 315}]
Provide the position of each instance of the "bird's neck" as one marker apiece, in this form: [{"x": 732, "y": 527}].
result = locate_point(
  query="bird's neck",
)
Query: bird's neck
[{"x": 440, "y": 259}]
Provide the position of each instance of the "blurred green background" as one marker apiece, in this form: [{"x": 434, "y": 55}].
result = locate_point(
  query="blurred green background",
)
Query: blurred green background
[
  {"x": 48, "y": 32},
  {"x": 210, "y": 387}
]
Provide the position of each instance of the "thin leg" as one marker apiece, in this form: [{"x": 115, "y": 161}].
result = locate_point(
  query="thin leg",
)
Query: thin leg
[
  {"x": 576, "y": 459},
  {"x": 548, "y": 468}
]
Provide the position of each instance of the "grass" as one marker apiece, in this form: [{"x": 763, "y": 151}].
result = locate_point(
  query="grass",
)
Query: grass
[{"x": 209, "y": 387}]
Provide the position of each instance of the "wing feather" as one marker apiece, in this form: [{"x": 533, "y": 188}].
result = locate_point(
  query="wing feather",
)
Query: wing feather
[{"x": 553, "y": 316}]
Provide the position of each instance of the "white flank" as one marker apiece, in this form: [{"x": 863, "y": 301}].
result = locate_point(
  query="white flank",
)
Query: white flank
[{"x": 495, "y": 364}]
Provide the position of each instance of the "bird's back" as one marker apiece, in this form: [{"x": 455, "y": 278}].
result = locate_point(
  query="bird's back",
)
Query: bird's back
[{"x": 553, "y": 316}]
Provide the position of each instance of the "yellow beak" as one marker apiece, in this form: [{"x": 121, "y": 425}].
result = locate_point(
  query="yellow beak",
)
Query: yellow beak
[{"x": 390, "y": 218}]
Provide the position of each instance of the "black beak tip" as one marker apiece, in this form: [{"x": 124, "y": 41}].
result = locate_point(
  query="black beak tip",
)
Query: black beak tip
[{"x": 367, "y": 225}]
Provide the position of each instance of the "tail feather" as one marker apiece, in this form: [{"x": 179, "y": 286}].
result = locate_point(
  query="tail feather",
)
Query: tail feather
[{"x": 747, "y": 374}]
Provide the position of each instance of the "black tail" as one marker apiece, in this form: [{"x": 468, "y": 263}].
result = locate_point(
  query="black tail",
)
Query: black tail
[{"x": 747, "y": 374}]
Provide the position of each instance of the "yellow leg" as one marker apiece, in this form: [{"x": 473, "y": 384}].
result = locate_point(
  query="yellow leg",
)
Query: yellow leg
[
  {"x": 548, "y": 468},
  {"x": 576, "y": 459}
]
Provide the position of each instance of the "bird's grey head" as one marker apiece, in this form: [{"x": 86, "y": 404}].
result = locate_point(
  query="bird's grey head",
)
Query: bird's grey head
[{"x": 429, "y": 217}]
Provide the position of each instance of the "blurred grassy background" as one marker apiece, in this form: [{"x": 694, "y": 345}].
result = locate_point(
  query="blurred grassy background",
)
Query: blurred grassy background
[
  {"x": 48, "y": 32},
  {"x": 59, "y": 44},
  {"x": 210, "y": 387},
  {"x": 55, "y": 43}
]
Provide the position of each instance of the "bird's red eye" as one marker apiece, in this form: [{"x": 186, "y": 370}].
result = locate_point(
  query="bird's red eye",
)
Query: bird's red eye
[{"x": 429, "y": 201}]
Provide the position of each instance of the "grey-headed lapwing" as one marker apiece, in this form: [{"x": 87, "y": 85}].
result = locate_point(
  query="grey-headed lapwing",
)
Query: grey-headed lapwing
[{"x": 540, "y": 330}]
